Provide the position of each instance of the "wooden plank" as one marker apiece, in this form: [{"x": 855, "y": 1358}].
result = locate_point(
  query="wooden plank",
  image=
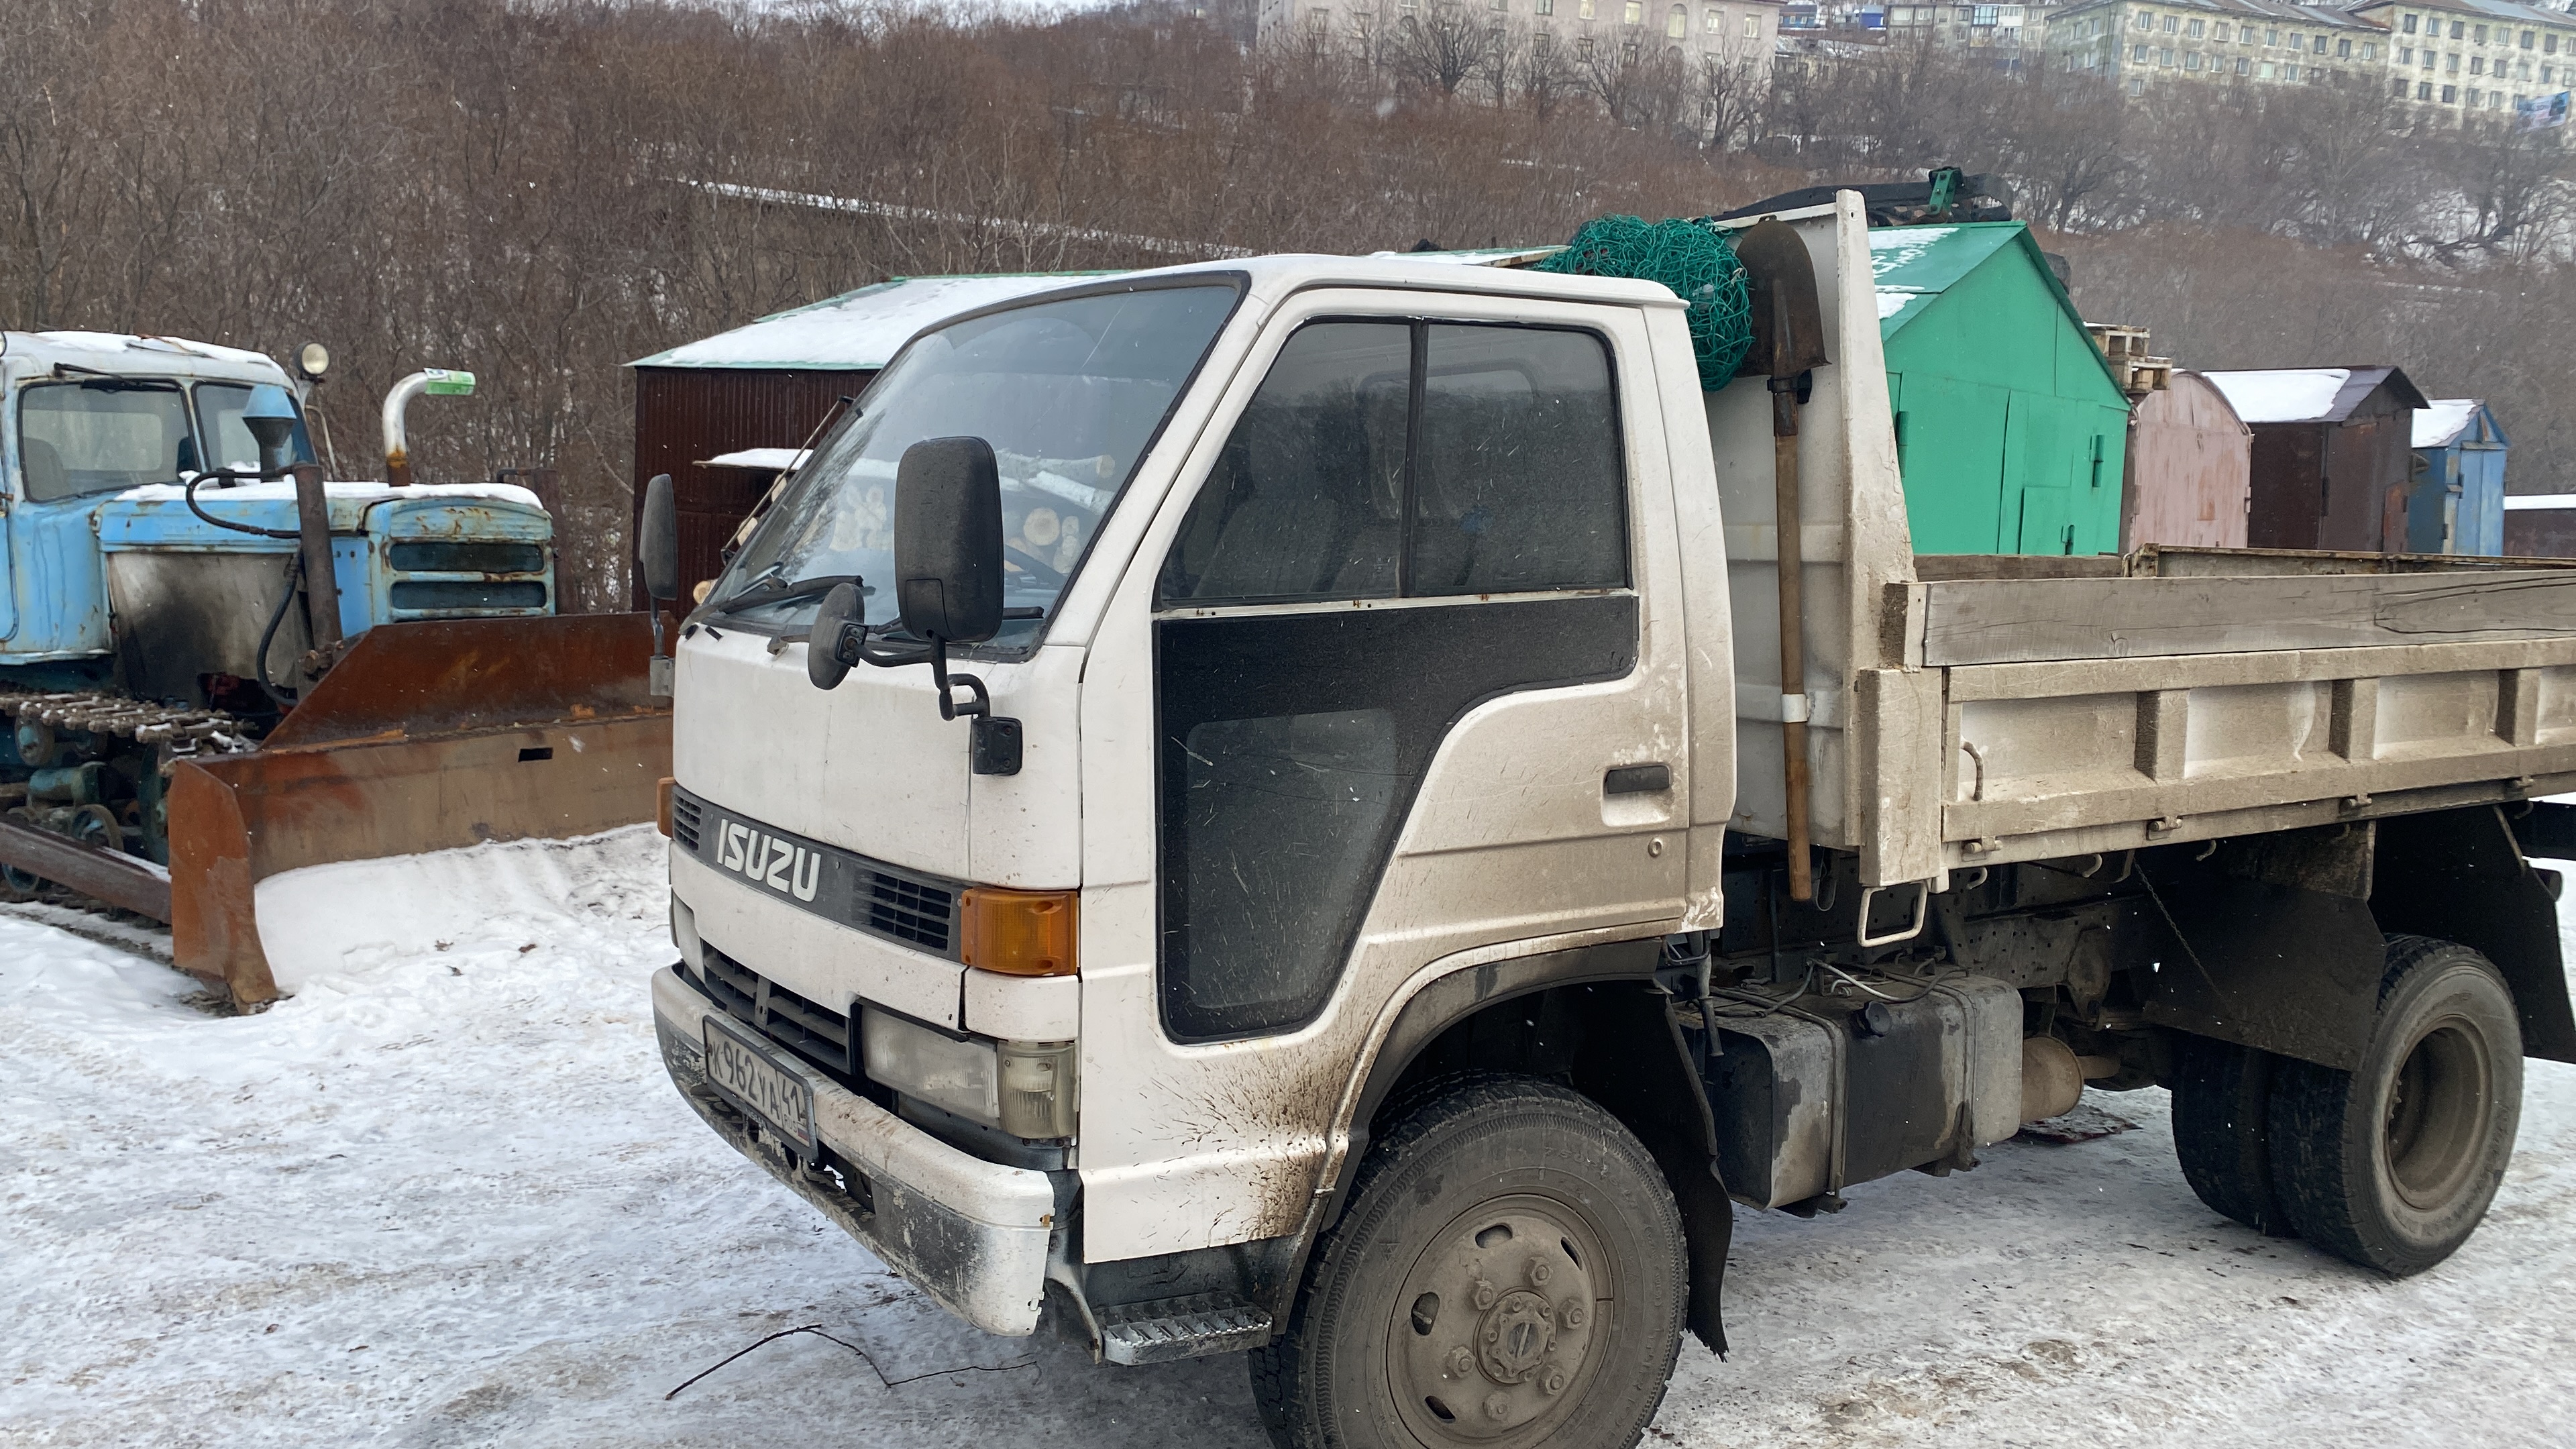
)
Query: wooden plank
[
  {"x": 2031, "y": 620},
  {"x": 1947, "y": 567},
  {"x": 2308, "y": 782},
  {"x": 2056, "y": 678}
]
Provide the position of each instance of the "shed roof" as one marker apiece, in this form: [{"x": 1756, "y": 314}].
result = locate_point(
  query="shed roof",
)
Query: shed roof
[
  {"x": 2437, "y": 426},
  {"x": 1913, "y": 265},
  {"x": 856, "y": 331},
  {"x": 2309, "y": 394}
]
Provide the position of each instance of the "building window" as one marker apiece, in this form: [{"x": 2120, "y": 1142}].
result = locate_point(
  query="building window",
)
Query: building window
[
  {"x": 1984, "y": 14},
  {"x": 2164, "y": 59},
  {"x": 2369, "y": 50},
  {"x": 2194, "y": 30},
  {"x": 2459, "y": 28},
  {"x": 1542, "y": 7},
  {"x": 2544, "y": 75},
  {"x": 2428, "y": 60},
  {"x": 2451, "y": 63},
  {"x": 1634, "y": 13},
  {"x": 2549, "y": 44},
  {"x": 1677, "y": 24},
  {"x": 1583, "y": 10},
  {"x": 1714, "y": 22},
  {"x": 2527, "y": 38},
  {"x": 1753, "y": 27},
  {"x": 2137, "y": 87},
  {"x": 2401, "y": 90},
  {"x": 2220, "y": 34},
  {"x": 2409, "y": 25},
  {"x": 2191, "y": 60},
  {"x": 2243, "y": 65},
  {"x": 2271, "y": 37},
  {"x": 2138, "y": 54},
  {"x": 2477, "y": 65},
  {"x": 2473, "y": 95},
  {"x": 2482, "y": 35},
  {"x": 2171, "y": 24},
  {"x": 2343, "y": 50},
  {"x": 2289, "y": 72}
]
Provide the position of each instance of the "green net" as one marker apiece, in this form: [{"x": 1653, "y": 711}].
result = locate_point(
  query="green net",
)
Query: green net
[{"x": 1687, "y": 256}]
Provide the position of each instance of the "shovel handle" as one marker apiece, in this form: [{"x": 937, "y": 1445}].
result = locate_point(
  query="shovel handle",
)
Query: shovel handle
[{"x": 1787, "y": 518}]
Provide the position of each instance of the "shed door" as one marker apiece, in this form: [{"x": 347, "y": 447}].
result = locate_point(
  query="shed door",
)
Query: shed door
[{"x": 1951, "y": 452}]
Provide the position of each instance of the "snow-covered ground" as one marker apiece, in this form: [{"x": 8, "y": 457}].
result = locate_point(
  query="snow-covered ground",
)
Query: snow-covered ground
[{"x": 445, "y": 1195}]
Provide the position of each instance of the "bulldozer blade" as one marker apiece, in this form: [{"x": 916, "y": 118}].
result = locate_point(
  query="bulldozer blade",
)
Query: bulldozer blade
[{"x": 425, "y": 736}]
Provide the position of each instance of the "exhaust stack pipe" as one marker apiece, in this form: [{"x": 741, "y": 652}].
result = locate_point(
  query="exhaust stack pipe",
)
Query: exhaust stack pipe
[{"x": 435, "y": 381}]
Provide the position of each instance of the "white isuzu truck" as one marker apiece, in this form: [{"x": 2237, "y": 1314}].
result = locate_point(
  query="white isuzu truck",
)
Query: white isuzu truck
[{"x": 1246, "y": 807}]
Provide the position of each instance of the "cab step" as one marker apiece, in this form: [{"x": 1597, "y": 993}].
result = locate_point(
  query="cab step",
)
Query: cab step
[{"x": 1176, "y": 1328}]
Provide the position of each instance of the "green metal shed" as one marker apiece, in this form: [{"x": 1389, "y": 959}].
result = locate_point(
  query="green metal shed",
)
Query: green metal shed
[{"x": 2010, "y": 428}]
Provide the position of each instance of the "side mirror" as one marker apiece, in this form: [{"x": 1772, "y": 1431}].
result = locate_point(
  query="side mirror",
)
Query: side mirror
[
  {"x": 826, "y": 665},
  {"x": 657, "y": 540},
  {"x": 948, "y": 540},
  {"x": 270, "y": 417}
]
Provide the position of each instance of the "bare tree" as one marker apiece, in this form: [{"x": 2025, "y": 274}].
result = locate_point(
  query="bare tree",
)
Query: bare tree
[{"x": 1441, "y": 45}]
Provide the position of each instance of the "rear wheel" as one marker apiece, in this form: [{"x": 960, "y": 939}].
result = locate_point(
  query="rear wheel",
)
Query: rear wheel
[
  {"x": 2393, "y": 1164},
  {"x": 2221, "y": 1109},
  {"x": 1510, "y": 1272}
]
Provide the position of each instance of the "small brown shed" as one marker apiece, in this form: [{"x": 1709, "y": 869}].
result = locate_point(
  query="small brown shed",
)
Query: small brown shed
[
  {"x": 2540, "y": 525},
  {"x": 758, "y": 391},
  {"x": 2190, "y": 468},
  {"x": 2333, "y": 455}
]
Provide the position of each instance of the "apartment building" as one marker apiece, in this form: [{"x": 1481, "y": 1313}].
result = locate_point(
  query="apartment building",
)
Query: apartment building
[
  {"x": 2474, "y": 56},
  {"x": 1998, "y": 33},
  {"x": 2139, "y": 43},
  {"x": 1742, "y": 32}
]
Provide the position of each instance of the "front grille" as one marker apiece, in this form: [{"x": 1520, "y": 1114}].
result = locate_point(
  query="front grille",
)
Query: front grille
[
  {"x": 684, "y": 821},
  {"x": 438, "y": 556},
  {"x": 809, "y": 1029},
  {"x": 911, "y": 910}
]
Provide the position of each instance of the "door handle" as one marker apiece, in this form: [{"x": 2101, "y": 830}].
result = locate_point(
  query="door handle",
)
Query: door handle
[{"x": 1651, "y": 779}]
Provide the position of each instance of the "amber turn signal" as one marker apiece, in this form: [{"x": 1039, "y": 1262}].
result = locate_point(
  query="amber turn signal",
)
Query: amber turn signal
[
  {"x": 1019, "y": 933},
  {"x": 662, "y": 804}
]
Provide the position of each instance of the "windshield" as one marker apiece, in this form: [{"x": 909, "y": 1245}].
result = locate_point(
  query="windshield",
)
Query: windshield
[
  {"x": 92, "y": 437},
  {"x": 220, "y": 406},
  {"x": 1069, "y": 393}
]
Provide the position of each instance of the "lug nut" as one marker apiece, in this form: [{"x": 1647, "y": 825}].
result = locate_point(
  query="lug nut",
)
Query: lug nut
[
  {"x": 1554, "y": 1383},
  {"x": 1498, "y": 1406},
  {"x": 1460, "y": 1360},
  {"x": 1539, "y": 1271},
  {"x": 1575, "y": 1313},
  {"x": 1484, "y": 1294}
]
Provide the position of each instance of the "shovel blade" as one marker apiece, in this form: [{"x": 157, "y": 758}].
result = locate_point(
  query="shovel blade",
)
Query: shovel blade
[{"x": 1788, "y": 324}]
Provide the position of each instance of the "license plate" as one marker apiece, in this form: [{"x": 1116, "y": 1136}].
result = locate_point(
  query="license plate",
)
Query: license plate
[{"x": 748, "y": 1074}]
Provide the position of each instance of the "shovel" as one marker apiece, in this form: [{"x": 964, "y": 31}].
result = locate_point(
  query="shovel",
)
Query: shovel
[{"x": 1788, "y": 341}]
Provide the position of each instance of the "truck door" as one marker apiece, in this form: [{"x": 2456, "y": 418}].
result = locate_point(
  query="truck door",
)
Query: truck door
[{"x": 1388, "y": 686}]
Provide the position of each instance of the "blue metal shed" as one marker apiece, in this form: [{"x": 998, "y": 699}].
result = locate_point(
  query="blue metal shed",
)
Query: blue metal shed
[{"x": 2457, "y": 502}]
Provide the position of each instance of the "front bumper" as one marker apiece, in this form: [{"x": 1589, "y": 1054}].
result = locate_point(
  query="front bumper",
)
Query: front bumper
[{"x": 972, "y": 1234}]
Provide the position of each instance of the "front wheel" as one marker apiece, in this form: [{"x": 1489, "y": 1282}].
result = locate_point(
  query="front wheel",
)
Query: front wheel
[
  {"x": 1510, "y": 1272},
  {"x": 2392, "y": 1164}
]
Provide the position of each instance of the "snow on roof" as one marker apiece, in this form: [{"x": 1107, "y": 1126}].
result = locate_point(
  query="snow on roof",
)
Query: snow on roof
[
  {"x": 776, "y": 460},
  {"x": 856, "y": 331},
  {"x": 2516, "y": 503},
  {"x": 2282, "y": 394},
  {"x": 125, "y": 354},
  {"x": 2437, "y": 425}
]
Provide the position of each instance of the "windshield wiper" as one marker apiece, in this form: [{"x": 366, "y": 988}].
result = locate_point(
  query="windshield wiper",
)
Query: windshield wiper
[{"x": 780, "y": 593}]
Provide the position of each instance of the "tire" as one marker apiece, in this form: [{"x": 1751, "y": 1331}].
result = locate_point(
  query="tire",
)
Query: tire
[
  {"x": 2221, "y": 1108},
  {"x": 1510, "y": 1272},
  {"x": 2393, "y": 1164}
]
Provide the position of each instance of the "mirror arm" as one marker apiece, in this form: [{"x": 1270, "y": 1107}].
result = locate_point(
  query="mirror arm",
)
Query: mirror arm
[{"x": 979, "y": 702}]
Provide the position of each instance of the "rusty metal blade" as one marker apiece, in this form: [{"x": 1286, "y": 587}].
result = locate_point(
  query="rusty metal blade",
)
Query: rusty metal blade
[
  {"x": 424, "y": 737},
  {"x": 108, "y": 875}
]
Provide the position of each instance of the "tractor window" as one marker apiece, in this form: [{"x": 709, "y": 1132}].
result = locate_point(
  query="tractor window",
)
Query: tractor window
[
  {"x": 76, "y": 438},
  {"x": 220, "y": 406}
]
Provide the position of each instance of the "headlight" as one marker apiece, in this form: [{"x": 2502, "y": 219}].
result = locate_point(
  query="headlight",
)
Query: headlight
[{"x": 956, "y": 1075}]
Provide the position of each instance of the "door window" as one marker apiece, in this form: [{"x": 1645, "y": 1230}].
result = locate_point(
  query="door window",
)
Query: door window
[{"x": 1377, "y": 459}]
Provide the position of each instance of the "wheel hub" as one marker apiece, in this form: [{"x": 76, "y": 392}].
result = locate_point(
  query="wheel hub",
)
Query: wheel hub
[{"x": 1496, "y": 1321}]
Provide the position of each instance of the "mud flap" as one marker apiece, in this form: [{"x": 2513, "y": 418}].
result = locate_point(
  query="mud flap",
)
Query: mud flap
[
  {"x": 425, "y": 736},
  {"x": 2459, "y": 875}
]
